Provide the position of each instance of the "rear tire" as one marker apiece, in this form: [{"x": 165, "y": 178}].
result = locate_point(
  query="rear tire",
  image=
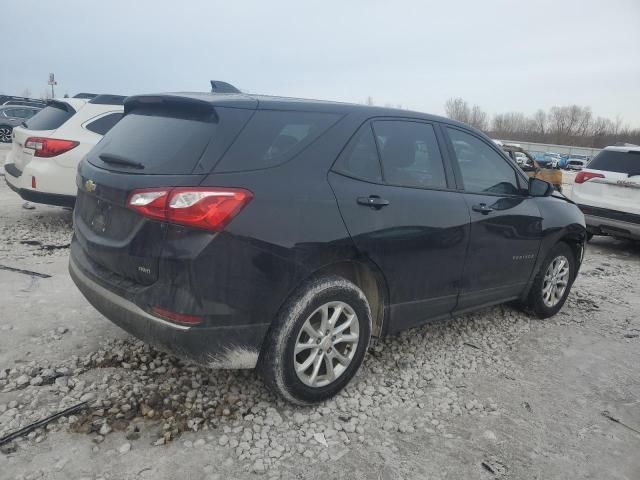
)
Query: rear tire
[
  {"x": 5, "y": 133},
  {"x": 553, "y": 283},
  {"x": 317, "y": 342}
]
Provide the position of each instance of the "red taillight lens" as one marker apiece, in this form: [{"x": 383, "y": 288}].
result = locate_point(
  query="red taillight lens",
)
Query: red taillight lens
[
  {"x": 177, "y": 317},
  {"x": 583, "y": 176},
  {"x": 49, "y": 147},
  {"x": 199, "y": 207}
]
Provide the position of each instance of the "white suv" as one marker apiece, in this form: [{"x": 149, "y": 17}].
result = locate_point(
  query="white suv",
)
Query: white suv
[
  {"x": 607, "y": 191},
  {"x": 41, "y": 166}
]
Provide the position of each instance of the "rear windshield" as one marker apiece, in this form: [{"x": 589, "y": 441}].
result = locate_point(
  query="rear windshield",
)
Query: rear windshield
[
  {"x": 50, "y": 117},
  {"x": 620, "y": 162},
  {"x": 154, "y": 144},
  {"x": 273, "y": 137}
]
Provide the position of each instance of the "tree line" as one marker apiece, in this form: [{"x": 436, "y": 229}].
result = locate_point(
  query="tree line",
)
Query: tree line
[{"x": 567, "y": 125}]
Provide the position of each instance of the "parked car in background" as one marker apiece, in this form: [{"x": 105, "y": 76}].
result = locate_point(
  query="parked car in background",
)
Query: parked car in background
[
  {"x": 13, "y": 100},
  {"x": 550, "y": 160},
  {"x": 246, "y": 231},
  {"x": 12, "y": 116},
  {"x": 41, "y": 166},
  {"x": 608, "y": 192},
  {"x": 532, "y": 167},
  {"x": 575, "y": 156},
  {"x": 576, "y": 164}
]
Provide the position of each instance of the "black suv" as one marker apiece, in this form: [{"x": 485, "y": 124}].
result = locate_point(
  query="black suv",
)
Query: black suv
[{"x": 244, "y": 231}]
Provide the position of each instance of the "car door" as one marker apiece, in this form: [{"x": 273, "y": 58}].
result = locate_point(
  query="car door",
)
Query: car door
[
  {"x": 506, "y": 227},
  {"x": 398, "y": 200}
]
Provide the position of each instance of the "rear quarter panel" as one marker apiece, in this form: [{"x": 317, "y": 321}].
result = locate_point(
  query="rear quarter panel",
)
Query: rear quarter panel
[{"x": 290, "y": 229}]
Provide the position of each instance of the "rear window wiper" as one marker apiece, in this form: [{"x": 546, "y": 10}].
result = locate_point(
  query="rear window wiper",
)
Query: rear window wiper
[{"x": 117, "y": 159}]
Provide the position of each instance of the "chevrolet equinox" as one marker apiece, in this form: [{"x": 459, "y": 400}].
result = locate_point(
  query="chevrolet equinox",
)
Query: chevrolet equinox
[{"x": 244, "y": 231}]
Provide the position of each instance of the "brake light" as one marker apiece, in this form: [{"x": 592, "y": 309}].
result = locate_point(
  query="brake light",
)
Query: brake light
[
  {"x": 49, "y": 147},
  {"x": 199, "y": 207},
  {"x": 583, "y": 176},
  {"x": 177, "y": 317}
]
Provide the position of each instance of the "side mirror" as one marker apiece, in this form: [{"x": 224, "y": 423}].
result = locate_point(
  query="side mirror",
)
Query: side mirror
[{"x": 539, "y": 188}]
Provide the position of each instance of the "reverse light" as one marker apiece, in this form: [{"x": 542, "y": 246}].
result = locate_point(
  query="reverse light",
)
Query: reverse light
[
  {"x": 199, "y": 207},
  {"x": 177, "y": 317},
  {"x": 583, "y": 176},
  {"x": 49, "y": 147}
]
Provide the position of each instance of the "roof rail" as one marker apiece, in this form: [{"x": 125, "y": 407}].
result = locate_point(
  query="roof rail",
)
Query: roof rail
[{"x": 218, "y": 86}]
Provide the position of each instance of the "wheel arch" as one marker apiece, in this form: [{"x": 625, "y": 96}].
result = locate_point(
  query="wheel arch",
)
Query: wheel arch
[{"x": 368, "y": 278}]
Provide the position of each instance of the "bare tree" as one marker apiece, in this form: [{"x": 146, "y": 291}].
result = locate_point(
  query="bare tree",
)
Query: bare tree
[
  {"x": 458, "y": 109},
  {"x": 565, "y": 125},
  {"x": 26, "y": 93},
  {"x": 540, "y": 122}
]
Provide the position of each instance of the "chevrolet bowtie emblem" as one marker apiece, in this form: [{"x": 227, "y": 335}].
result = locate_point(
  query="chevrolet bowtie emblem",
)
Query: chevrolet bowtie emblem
[{"x": 89, "y": 185}]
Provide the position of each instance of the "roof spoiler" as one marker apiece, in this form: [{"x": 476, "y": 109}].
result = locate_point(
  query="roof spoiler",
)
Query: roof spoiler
[
  {"x": 59, "y": 104},
  {"x": 218, "y": 86},
  {"x": 173, "y": 106},
  {"x": 108, "y": 99}
]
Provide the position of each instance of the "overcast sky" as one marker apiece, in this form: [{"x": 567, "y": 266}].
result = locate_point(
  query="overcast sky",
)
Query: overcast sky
[{"x": 504, "y": 55}]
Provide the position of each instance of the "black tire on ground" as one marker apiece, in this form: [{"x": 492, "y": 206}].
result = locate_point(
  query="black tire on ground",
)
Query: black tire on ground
[
  {"x": 535, "y": 302},
  {"x": 5, "y": 133},
  {"x": 589, "y": 236},
  {"x": 328, "y": 297}
]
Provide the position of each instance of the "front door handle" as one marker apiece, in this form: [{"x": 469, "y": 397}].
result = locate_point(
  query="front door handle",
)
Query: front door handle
[
  {"x": 373, "y": 201},
  {"x": 482, "y": 208}
]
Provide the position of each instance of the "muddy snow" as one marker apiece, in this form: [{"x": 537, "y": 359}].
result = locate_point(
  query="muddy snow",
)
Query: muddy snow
[{"x": 494, "y": 394}]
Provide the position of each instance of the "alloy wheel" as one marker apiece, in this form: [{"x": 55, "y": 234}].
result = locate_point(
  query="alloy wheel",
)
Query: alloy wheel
[
  {"x": 5, "y": 135},
  {"x": 326, "y": 344},
  {"x": 555, "y": 281}
]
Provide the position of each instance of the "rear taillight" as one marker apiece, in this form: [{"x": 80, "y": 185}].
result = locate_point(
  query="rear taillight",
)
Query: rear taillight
[
  {"x": 583, "y": 176},
  {"x": 49, "y": 147},
  {"x": 199, "y": 207}
]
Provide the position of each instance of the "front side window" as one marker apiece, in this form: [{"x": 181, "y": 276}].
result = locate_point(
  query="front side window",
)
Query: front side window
[
  {"x": 483, "y": 169},
  {"x": 360, "y": 158},
  {"x": 410, "y": 154}
]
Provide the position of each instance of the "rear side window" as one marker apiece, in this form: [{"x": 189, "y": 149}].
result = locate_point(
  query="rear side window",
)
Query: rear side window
[
  {"x": 410, "y": 154},
  {"x": 620, "y": 162},
  {"x": 272, "y": 137},
  {"x": 103, "y": 124},
  {"x": 360, "y": 158},
  {"x": 158, "y": 144},
  {"x": 50, "y": 118}
]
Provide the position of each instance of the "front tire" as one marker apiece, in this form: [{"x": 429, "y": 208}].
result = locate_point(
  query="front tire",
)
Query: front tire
[
  {"x": 5, "y": 134},
  {"x": 317, "y": 342},
  {"x": 553, "y": 282}
]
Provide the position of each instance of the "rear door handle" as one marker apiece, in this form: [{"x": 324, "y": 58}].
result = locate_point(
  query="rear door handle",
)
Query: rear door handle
[
  {"x": 482, "y": 208},
  {"x": 373, "y": 201}
]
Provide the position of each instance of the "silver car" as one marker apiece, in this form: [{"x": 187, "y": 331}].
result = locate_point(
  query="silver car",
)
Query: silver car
[{"x": 12, "y": 116}]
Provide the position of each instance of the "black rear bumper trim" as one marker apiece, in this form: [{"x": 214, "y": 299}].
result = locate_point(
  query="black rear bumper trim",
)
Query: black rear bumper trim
[
  {"x": 54, "y": 199},
  {"x": 611, "y": 214}
]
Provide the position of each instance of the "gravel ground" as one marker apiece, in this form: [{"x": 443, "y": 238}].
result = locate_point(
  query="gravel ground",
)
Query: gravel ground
[{"x": 494, "y": 394}]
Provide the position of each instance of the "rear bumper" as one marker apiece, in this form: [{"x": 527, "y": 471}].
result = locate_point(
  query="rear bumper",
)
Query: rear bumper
[
  {"x": 216, "y": 347},
  {"x": 16, "y": 181},
  {"x": 611, "y": 222}
]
